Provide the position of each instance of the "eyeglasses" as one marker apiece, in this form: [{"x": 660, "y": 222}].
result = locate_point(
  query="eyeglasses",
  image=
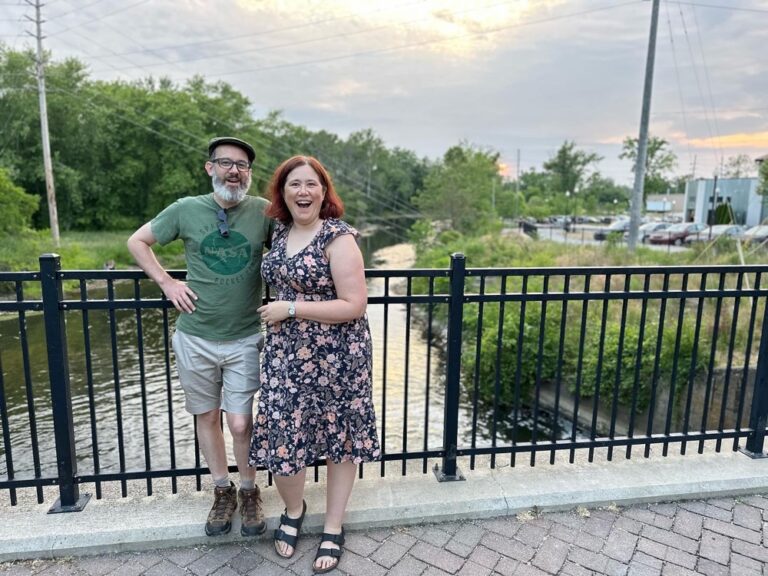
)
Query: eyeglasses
[
  {"x": 227, "y": 163},
  {"x": 223, "y": 223},
  {"x": 310, "y": 186}
]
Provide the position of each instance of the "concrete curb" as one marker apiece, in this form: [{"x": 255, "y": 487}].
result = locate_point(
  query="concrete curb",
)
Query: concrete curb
[{"x": 137, "y": 523}]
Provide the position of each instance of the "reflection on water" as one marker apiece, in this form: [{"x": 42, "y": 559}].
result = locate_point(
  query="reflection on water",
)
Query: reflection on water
[{"x": 145, "y": 407}]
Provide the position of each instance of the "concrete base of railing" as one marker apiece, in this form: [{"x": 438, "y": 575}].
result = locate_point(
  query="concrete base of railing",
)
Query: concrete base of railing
[{"x": 117, "y": 524}]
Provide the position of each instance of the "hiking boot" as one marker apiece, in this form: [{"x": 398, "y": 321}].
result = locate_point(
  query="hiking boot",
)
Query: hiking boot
[
  {"x": 250, "y": 509},
  {"x": 220, "y": 517}
]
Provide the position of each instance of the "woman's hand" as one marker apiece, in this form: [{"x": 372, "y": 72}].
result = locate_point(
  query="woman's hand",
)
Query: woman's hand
[{"x": 273, "y": 312}]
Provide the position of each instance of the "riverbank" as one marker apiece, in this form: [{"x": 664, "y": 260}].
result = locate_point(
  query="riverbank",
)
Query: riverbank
[{"x": 395, "y": 257}]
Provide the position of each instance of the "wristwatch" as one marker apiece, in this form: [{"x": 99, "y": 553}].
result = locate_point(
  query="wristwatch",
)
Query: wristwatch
[{"x": 292, "y": 309}]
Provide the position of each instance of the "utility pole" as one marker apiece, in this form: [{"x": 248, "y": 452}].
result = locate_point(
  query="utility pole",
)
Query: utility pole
[
  {"x": 48, "y": 165},
  {"x": 642, "y": 141},
  {"x": 517, "y": 184},
  {"x": 713, "y": 202}
]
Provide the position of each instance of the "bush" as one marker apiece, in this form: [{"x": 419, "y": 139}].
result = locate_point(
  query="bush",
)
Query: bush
[
  {"x": 16, "y": 206},
  {"x": 611, "y": 363},
  {"x": 506, "y": 355}
]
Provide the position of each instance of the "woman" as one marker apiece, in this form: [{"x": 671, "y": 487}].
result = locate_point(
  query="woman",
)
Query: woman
[{"x": 315, "y": 400}]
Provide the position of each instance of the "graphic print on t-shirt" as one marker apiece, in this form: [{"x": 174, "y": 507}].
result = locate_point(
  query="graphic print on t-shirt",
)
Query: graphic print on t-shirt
[{"x": 225, "y": 256}]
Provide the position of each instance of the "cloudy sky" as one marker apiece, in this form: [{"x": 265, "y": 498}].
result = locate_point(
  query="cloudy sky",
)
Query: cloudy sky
[{"x": 511, "y": 75}]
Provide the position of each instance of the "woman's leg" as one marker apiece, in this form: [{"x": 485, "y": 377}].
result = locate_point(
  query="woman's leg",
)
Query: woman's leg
[
  {"x": 291, "y": 489},
  {"x": 341, "y": 479}
]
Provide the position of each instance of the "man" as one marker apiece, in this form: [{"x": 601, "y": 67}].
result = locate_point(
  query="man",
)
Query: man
[{"x": 218, "y": 334}]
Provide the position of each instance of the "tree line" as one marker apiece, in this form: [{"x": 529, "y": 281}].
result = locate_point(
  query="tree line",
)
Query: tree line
[{"x": 124, "y": 150}]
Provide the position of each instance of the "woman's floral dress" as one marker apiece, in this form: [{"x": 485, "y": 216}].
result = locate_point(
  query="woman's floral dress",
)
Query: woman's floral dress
[{"x": 315, "y": 400}]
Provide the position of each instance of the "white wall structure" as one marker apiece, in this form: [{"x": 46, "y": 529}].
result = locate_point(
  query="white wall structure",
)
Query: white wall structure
[{"x": 705, "y": 194}]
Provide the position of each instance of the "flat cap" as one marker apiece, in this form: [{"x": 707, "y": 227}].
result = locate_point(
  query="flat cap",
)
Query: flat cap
[{"x": 215, "y": 142}]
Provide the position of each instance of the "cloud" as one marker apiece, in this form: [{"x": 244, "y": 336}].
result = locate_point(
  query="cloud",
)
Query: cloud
[
  {"x": 425, "y": 74},
  {"x": 755, "y": 141}
]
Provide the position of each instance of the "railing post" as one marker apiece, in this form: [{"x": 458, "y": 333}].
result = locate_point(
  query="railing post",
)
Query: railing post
[
  {"x": 61, "y": 399},
  {"x": 759, "y": 411},
  {"x": 449, "y": 471}
]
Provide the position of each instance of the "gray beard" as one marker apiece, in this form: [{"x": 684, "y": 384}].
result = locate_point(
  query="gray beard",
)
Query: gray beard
[{"x": 227, "y": 195}]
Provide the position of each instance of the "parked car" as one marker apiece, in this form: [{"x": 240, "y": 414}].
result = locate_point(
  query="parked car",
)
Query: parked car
[
  {"x": 564, "y": 222},
  {"x": 675, "y": 234},
  {"x": 618, "y": 228},
  {"x": 645, "y": 231},
  {"x": 714, "y": 232},
  {"x": 756, "y": 234}
]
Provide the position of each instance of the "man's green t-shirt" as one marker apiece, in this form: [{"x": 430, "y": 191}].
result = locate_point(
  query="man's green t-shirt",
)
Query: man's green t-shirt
[{"x": 225, "y": 273}]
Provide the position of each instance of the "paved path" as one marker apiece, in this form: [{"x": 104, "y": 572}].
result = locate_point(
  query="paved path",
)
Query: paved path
[{"x": 710, "y": 537}]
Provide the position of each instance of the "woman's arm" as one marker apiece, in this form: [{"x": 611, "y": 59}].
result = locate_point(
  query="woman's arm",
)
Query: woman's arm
[{"x": 348, "y": 274}]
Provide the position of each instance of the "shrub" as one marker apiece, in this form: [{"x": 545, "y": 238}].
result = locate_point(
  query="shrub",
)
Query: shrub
[{"x": 16, "y": 206}]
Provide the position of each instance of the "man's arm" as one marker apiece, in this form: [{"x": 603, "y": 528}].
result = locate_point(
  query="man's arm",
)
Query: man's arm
[{"x": 140, "y": 246}]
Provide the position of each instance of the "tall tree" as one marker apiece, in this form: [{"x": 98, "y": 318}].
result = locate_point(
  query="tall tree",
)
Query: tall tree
[
  {"x": 604, "y": 191},
  {"x": 460, "y": 188},
  {"x": 660, "y": 161},
  {"x": 740, "y": 166},
  {"x": 569, "y": 167}
]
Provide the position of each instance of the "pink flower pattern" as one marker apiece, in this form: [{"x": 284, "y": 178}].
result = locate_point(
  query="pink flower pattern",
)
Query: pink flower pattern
[{"x": 316, "y": 399}]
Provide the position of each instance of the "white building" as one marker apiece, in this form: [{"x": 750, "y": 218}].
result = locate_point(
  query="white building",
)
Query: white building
[{"x": 704, "y": 195}]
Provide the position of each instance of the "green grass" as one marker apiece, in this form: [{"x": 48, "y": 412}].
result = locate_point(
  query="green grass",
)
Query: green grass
[{"x": 79, "y": 251}]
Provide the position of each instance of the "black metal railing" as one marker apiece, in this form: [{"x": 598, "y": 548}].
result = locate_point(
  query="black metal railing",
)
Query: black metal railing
[{"x": 468, "y": 363}]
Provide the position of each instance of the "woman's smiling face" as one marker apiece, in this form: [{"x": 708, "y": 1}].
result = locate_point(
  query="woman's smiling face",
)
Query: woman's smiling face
[{"x": 304, "y": 194}]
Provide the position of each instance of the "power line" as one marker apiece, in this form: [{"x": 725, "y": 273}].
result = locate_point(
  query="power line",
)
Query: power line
[
  {"x": 78, "y": 9},
  {"x": 343, "y": 174},
  {"x": 429, "y": 42},
  {"x": 196, "y": 148},
  {"x": 395, "y": 48},
  {"x": 709, "y": 87},
  {"x": 270, "y": 31},
  {"x": 700, "y": 91},
  {"x": 123, "y": 9},
  {"x": 335, "y": 35},
  {"x": 724, "y": 7},
  {"x": 678, "y": 82}
]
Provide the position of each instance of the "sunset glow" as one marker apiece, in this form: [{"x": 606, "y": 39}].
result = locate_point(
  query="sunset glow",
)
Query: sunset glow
[
  {"x": 458, "y": 27},
  {"x": 757, "y": 141}
]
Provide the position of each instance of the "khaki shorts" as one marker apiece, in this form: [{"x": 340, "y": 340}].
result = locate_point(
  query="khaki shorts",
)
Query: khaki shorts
[{"x": 218, "y": 374}]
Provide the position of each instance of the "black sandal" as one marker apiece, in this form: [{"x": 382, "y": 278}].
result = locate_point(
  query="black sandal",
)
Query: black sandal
[
  {"x": 290, "y": 539},
  {"x": 331, "y": 552}
]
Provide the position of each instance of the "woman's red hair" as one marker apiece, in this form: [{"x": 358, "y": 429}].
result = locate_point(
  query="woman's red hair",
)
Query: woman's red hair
[{"x": 332, "y": 206}]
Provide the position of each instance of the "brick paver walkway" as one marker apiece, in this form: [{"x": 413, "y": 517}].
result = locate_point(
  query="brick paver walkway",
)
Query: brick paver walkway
[{"x": 710, "y": 537}]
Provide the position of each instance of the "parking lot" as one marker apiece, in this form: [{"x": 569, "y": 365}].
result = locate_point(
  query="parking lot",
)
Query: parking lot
[{"x": 583, "y": 234}]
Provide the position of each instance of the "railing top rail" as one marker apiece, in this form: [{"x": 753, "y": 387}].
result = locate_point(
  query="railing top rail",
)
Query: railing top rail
[
  {"x": 433, "y": 272},
  {"x": 139, "y": 275},
  {"x": 19, "y": 276},
  {"x": 407, "y": 273},
  {"x": 113, "y": 274},
  {"x": 620, "y": 270}
]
